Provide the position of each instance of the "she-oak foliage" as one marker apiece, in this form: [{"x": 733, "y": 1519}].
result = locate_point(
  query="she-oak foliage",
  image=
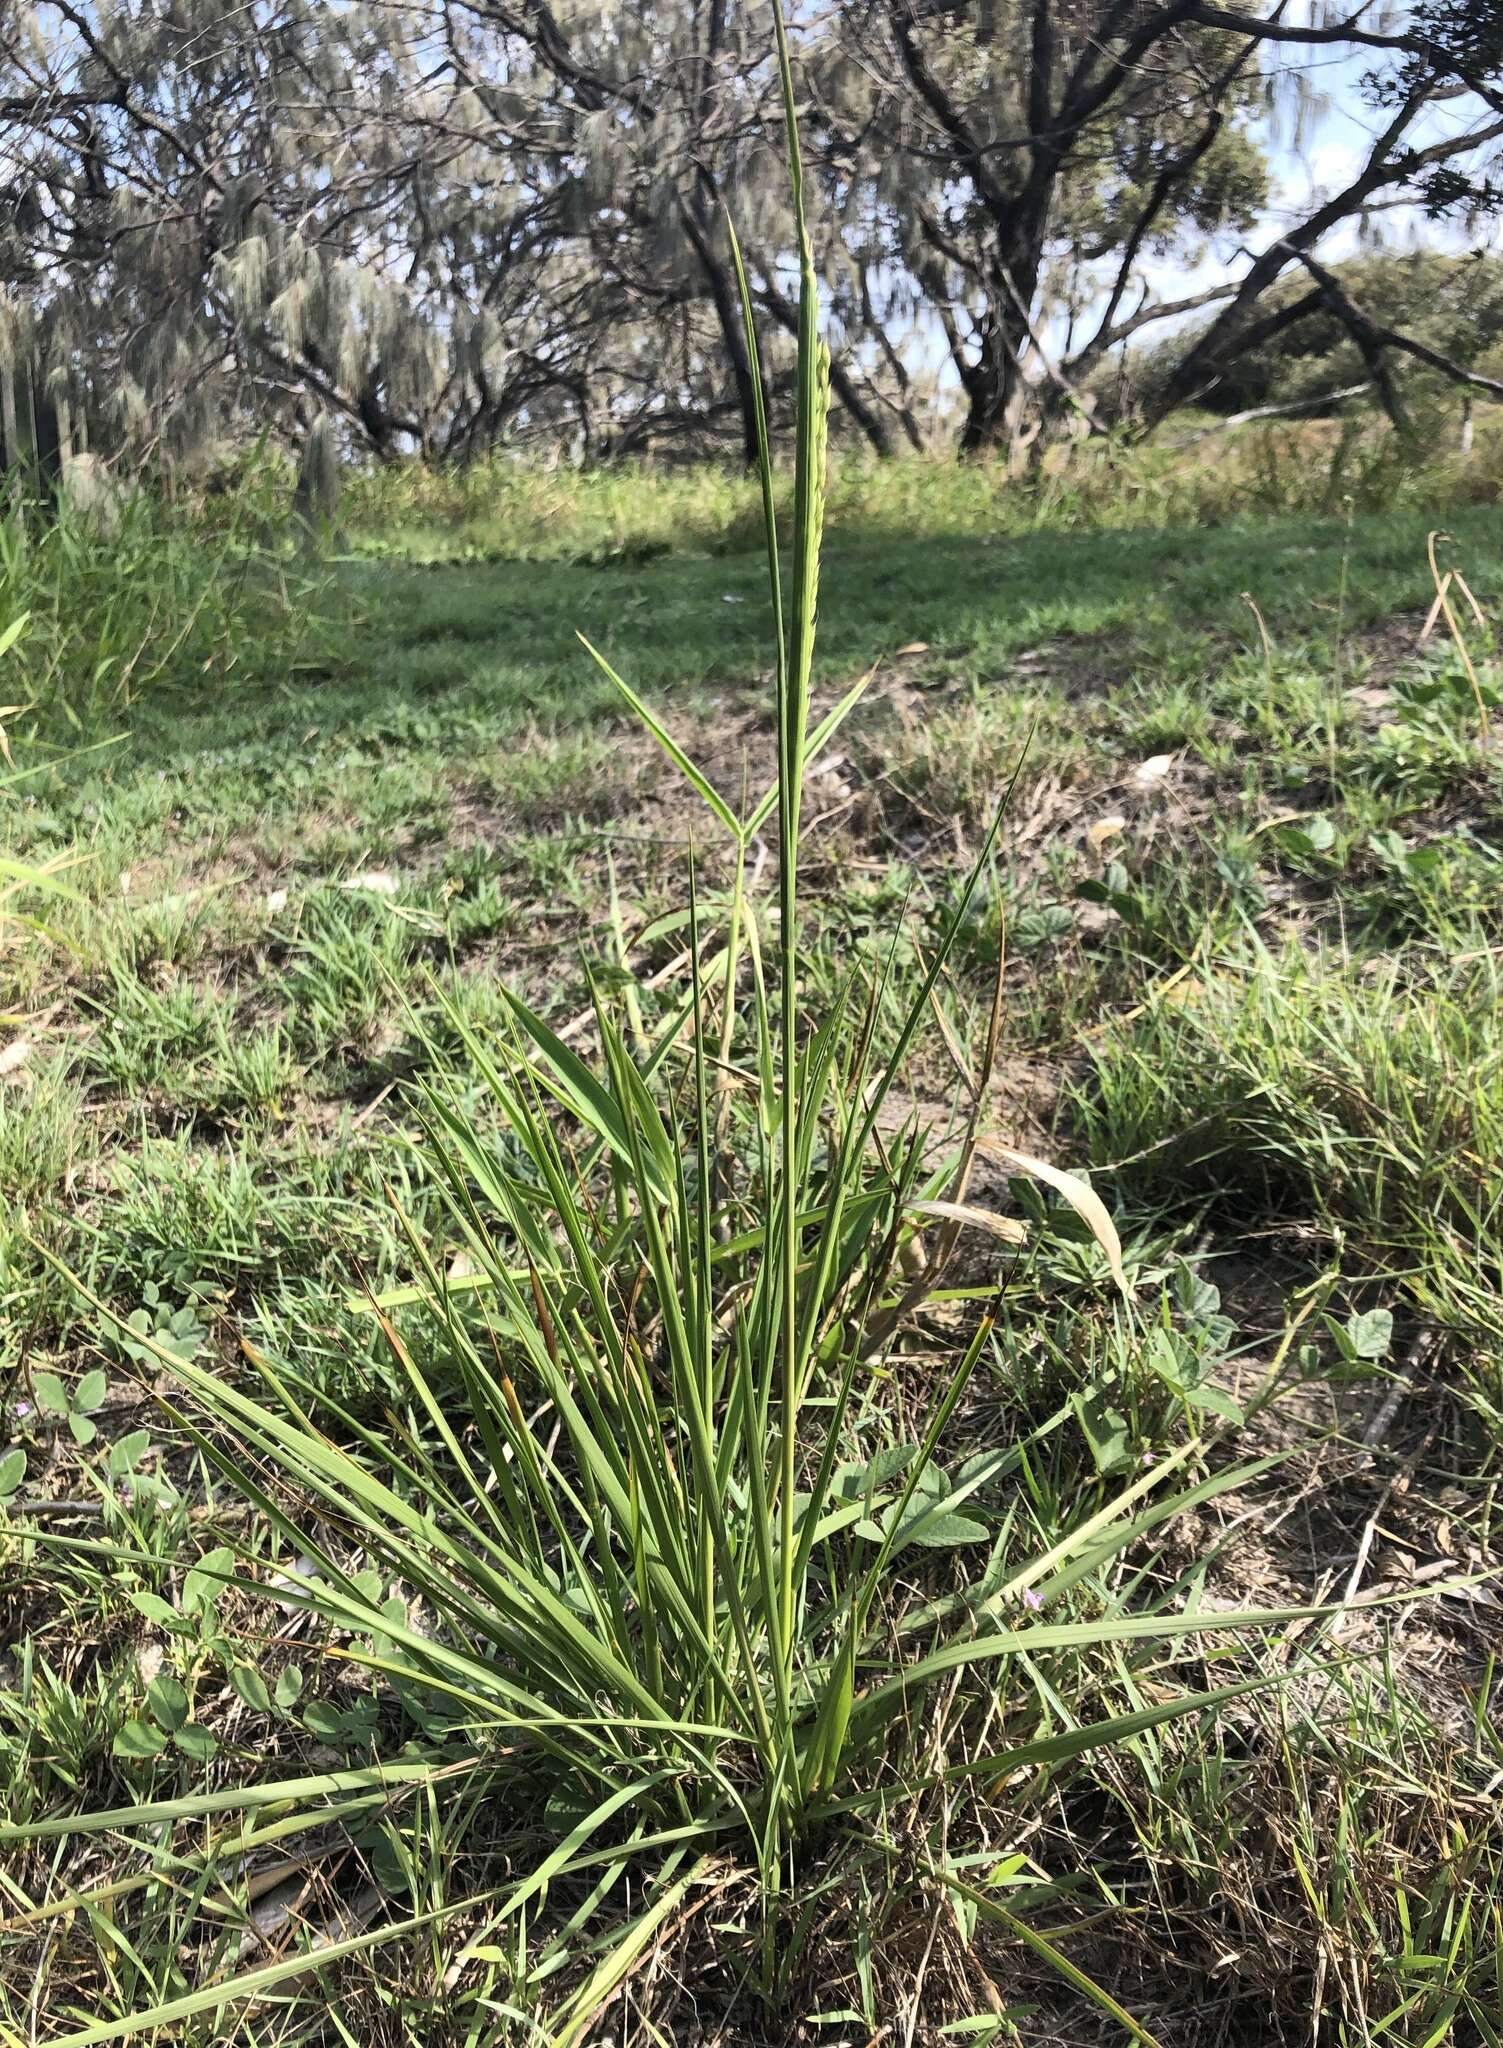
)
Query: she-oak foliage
[{"x": 450, "y": 228}]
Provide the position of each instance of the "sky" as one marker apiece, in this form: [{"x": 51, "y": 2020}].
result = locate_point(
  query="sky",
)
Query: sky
[
  {"x": 1308, "y": 166},
  {"x": 1316, "y": 164}
]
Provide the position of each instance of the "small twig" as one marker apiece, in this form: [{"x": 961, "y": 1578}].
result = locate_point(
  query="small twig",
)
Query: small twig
[
  {"x": 364, "y": 1115},
  {"x": 1379, "y": 1427},
  {"x": 1397, "y": 1479},
  {"x": 1268, "y": 412}
]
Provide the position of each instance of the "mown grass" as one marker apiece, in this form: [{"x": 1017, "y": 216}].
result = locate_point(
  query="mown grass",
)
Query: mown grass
[{"x": 1252, "y": 985}]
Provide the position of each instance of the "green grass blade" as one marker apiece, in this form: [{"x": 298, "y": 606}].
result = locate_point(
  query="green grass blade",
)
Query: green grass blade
[{"x": 694, "y": 776}]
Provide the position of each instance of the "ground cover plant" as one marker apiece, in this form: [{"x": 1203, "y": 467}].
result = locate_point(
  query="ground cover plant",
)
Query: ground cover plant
[{"x": 585, "y": 1464}]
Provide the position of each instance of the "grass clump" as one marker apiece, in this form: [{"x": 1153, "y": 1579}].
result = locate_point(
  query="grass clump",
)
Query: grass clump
[
  {"x": 432, "y": 1611},
  {"x": 626, "y": 1542},
  {"x": 149, "y": 603},
  {"x": 1361, "y": 1096}
]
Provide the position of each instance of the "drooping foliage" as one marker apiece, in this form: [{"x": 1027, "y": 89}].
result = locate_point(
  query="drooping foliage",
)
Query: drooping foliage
[{"x": 447, "y": 227}]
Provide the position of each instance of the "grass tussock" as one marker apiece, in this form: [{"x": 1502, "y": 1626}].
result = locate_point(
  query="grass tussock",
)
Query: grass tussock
[
  {"x": 583, "y": 1459},
  {"x": 152, "y": 600},
  {"x": 1364, "y": 1098}
]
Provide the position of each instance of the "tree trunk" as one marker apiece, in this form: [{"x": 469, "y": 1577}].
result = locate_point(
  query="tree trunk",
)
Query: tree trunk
[
  {"x": 49, "y": 441},
  {"x": 10, "y": 438},
  {"x": 727, "y": 302},
  {"x": 30, "y": 432},
  {"x": 725, "y": 297},
  {"x": 996, "y": 394}
]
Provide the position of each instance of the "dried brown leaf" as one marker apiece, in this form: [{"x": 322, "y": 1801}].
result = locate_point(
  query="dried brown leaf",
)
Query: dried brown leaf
[{"x": 1080, "y": 1195}]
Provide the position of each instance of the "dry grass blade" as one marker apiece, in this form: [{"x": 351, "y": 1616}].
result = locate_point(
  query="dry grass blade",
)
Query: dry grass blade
[
  {"x": 1447, "y": 609},
  {"x": 1080, "y": 1195},
  {"x": 970, "y": 1217}
]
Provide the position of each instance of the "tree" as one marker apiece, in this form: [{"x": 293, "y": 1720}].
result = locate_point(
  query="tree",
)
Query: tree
[
  {"x": 1451, "y": 304},
  {"x": 1027, "y": 155},
  {"x": 456, "y": 224},
  {"x": 1436, "y": 54}
]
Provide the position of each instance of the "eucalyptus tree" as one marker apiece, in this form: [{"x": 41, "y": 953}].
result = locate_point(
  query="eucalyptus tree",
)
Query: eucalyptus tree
[
  {"x": 436, "y": 223},
  {"x": 670, "y": 111},
  {"x": 1447, "y": 306},
  {"x": 1432, "y": 86},
  {"x": 1023, "y": 159},
  {"x": 217, "y": 218}
]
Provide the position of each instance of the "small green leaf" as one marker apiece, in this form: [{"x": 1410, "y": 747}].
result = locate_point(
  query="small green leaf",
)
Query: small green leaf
[
  {"x": 387, "y": 1865},
  {"x": 1105, "y": 1429},
  {"x": 1371, "y": 1334},
  {"x": 154, "y": 1608},
  {"x": 125, "y": 1454},
  {"x": 288, "y": 1687},
  {"x": 52, "y": 1395},
  {"x": 137, "y": 1739},
  {"x": 941, "y": 1530},
  {"x": 1216, "y": 1399},
  {"x": 251, "y": 1687},
  {"x": 204, "y": 1584},
  {"x": 323, "y": 1720},
  {"x": 1308, "y": 836},
  {"x": 888, "y": 1464},
  {"x": 92, "y": 1389},
  {"x": 1163, "y": 1356},
  {"x": 196, "y": 1742},
  {"x": 167, "y": 1701},
  {"x": 82, "y": 1430},
  {"x": 12, "y": 1472}
]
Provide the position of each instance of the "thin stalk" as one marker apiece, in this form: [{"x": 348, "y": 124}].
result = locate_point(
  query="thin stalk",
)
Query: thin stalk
[
  {"x": 728, "y": 1027},
  {"x": 704, "y": 1312},
  {"x": 793, "y": 714}
]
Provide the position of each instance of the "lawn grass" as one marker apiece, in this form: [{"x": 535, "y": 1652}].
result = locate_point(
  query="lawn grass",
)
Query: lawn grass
[{"x": 1246, "y": 902}]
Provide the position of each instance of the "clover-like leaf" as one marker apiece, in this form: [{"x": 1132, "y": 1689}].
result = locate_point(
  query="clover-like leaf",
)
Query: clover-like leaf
[
  {"x": 154, "y": 1608},
  {"x": 138, "y": 1740},
  {"x": 1370, "y": 1334},
  {"x": 251, "y": 1687},
  {"x": 127, "y": 1452},
  {"x": 167, "y": 1701},
  {"x": 52, "y": 1395}
]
